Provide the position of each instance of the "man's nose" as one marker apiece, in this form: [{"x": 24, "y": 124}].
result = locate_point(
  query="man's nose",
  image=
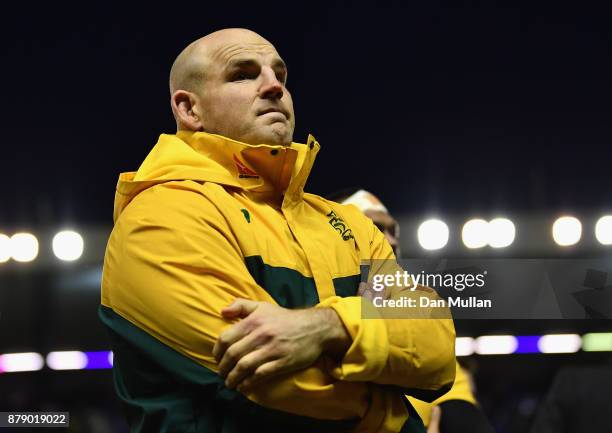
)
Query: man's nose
[{"x": 270, "y": 87}]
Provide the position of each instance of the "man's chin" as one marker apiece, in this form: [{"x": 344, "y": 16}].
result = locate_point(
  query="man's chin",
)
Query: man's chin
[{"x": 274, "y": 135}]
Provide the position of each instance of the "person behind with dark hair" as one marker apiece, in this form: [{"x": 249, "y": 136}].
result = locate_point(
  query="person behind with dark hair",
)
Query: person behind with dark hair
[
  {"x": 457, "y": 411},
  {"x": 231, "y": 295}
]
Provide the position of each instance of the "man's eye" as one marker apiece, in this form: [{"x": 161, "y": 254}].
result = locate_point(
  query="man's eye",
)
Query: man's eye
[{"x": 241, "y": 76}]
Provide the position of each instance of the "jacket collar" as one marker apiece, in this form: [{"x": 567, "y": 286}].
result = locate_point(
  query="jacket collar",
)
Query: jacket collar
[
  {"x": 256, "y": 168},
  {"x": 271, "y": 173}
]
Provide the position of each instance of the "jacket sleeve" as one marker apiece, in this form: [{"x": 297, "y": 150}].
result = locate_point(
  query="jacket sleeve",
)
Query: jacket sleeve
[
  {"x": 415, "y": 351},
  {"x": 172, "y": 263}
]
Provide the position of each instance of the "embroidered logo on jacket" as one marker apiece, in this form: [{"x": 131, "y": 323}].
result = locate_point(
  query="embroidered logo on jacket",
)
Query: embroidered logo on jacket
[
  {"x": 340, "y": 226},
  {"x": 244, "y": 172},
  {"x": 247, "y": 215}
]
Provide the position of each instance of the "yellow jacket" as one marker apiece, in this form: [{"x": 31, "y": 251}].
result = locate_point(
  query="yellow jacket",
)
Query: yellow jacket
[{"x": 206, "y": 219}]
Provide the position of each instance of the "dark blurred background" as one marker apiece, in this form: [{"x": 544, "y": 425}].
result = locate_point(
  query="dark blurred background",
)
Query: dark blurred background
[{"x": 452, "y": 109}]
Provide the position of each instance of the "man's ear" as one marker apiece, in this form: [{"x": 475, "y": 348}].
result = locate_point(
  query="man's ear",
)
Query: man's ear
[{"x": 186, "y": 111}]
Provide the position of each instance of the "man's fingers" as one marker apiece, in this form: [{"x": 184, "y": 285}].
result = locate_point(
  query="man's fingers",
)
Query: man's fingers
[
  {"x": 366, "y": 291},
  {"x": 261, "y": 374},
  {"x": 228, "y": 337},
  {"x": 236, "y": 351},
  {"x": 239, "y": 308},
  {"x": 246, "y": 367},
  {"x": 362, "y": 289}
]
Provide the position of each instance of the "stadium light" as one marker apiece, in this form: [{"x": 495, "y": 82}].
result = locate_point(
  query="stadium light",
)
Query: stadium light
[
  {"x": 496, "y": 344},
  {"x": 501, "y": 232},
  {"x": 14, "y": 362},
  {"x": 527, "y": 344},
  {"x": 433, "y": 234},
  {"x": 560, "y": 343},
  {"x": 603, "y": 230},
  {"x": 68, "y": 360},
  {"x": 5, "y": 248},
  {"x": 68, "y": 245},
  {"x": 567, "y": 231},
  {"x": 98, "y": 359},
  {"x": 464, "y": 346},
  {"x": 597, "y": 342},
  {"x": 475, "y": 233},
  {"x": 24, "y": 247}
]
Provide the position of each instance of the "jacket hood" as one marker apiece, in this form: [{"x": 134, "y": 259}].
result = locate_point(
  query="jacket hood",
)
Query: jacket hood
[{"x": 203, "y": 157}]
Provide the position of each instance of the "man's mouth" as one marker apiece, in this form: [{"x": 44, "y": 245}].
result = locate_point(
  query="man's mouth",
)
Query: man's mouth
[{"x": 274, "y": 110}]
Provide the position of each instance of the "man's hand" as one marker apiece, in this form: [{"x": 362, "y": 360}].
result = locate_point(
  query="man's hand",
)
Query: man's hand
[
  {"x": 367, "y": 291},
  {"x": 271, "y": 340},
  {"x": 434, "y": 421}
]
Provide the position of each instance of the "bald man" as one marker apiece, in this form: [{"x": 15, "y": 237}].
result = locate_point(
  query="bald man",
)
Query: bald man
[{"x": 230, "y": 294}]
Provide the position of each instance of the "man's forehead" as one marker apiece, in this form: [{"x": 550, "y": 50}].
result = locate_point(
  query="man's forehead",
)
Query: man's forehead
[
  {"x": 225, "y": 54},
  {"x": 223, "y": 48}
]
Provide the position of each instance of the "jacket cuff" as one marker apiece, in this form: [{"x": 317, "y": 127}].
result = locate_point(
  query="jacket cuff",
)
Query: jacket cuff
[{"x": 369, "y": 351}]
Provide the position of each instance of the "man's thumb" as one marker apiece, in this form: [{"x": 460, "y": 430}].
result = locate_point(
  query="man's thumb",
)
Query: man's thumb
[{"x": 240, "y": 308}]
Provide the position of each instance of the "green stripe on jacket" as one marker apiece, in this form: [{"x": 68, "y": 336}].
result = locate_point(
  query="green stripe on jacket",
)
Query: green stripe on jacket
[{"x": 291, "y": 289}]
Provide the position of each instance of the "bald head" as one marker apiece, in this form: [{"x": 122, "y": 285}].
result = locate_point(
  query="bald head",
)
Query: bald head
[
  {"x": 188, "y": 69},
  {"x": 232, "y": 83}
]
